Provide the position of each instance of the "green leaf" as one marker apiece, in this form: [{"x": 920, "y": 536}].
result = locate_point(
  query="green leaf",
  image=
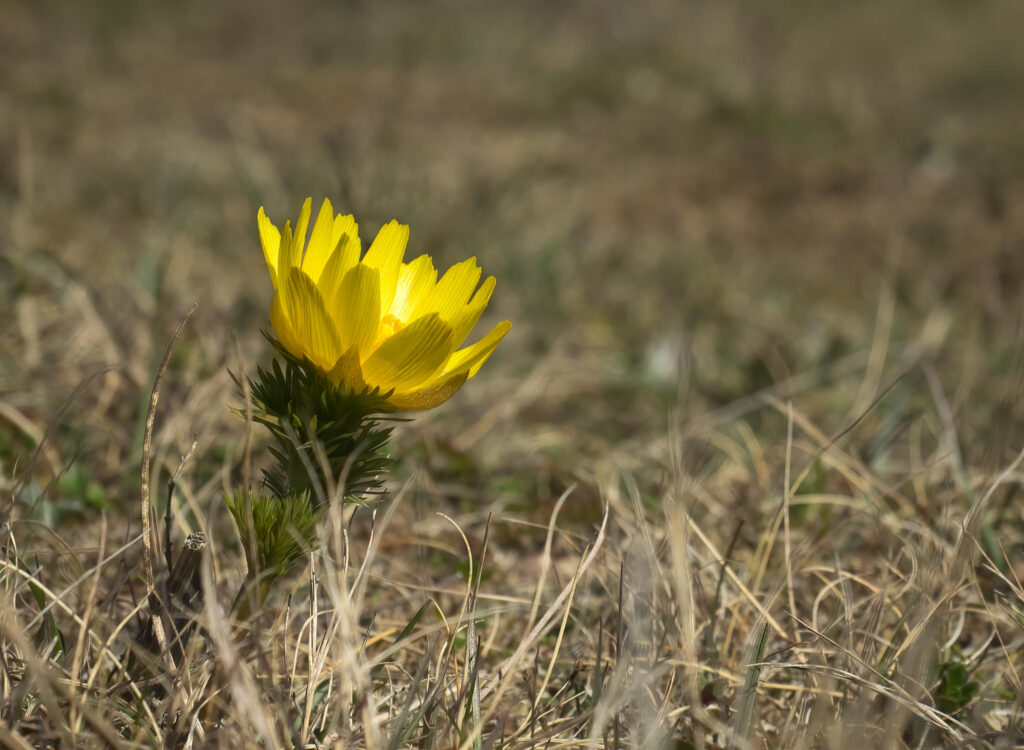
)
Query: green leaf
[{"x": 956, "y": 688}]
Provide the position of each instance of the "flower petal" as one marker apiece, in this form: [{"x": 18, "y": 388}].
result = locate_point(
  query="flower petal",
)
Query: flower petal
[
  {"x": 345, "y": 226},
  {"x": 385, "y": 254},
  {"x": 320, "y": 242},
  {"x": 428, "y": 398},
  {"x": 452, "y": 291},
  {"x": 356, "y": 307},
  {"x": 464, "y": 320},
  {"x": 280, "y": 324},
  {"x": 270, "y": 238},
  {"x": 337, "y": 266},
  {"x": 348, "y": 371},
  {"x": 299, "y": 236},
  {"x": 415, "y": 280},
  {"x": 471, "y": 358},
  {"x": 411, "y": 356},
  {"x": 309, "y": 321},
  {"x": 284, "y": 257}
]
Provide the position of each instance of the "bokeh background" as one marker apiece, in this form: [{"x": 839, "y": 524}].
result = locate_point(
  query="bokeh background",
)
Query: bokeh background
[{"x": 684, "y": 203}]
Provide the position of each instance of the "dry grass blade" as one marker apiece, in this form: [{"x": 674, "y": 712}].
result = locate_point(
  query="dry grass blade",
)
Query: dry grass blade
[
  {"x": 743, "y": 720},
  {"x": 149, "y": 540},
  {"x": 548, "y": 617},
  {"x": 54, "y": 685}
]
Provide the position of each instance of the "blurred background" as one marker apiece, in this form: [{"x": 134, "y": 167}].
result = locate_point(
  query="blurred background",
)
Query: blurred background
[{"x": 684, "y": 203}]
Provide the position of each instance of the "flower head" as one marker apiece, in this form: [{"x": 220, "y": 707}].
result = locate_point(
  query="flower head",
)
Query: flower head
[{"x": 372, "y": 320}]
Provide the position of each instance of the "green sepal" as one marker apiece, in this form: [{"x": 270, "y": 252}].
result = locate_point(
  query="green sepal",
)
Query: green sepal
[{"x": 302, "y": 408}]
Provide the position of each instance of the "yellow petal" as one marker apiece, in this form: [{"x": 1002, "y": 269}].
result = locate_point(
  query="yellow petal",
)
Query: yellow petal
[
  {"x": 463, "y": 320},
  {"x": 428, "y": 398},
  {"x": 299, "y": 236},
  {"x": 346, "y": 226},
  {"x": 415, "y": 280},
  {"x": 279, "y": 321},
  {"x": 452, "y": 291},
  {"x": 356, "y": 307},
  {"x": 471, "y": 358},
  {"x": 385, "y": 254},
  {"x": 348, "y": 371},
  {"x": 284, "y": 257},
  {"x": 270, "y": 238},
  {"x": 337, "y": 266},
  {"x": 411, "y": 356},
  {"x": 344, "y": 255},
  {"x": 321, "y": 242},
  {"x": 311, "y": 325}
]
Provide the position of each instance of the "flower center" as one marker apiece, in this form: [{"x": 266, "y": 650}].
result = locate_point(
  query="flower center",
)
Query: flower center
[{"x": 389, "y": 326}]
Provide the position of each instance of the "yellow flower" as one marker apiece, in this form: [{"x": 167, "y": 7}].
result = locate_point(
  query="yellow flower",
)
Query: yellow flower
[{"x": 375, "y": 321}]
